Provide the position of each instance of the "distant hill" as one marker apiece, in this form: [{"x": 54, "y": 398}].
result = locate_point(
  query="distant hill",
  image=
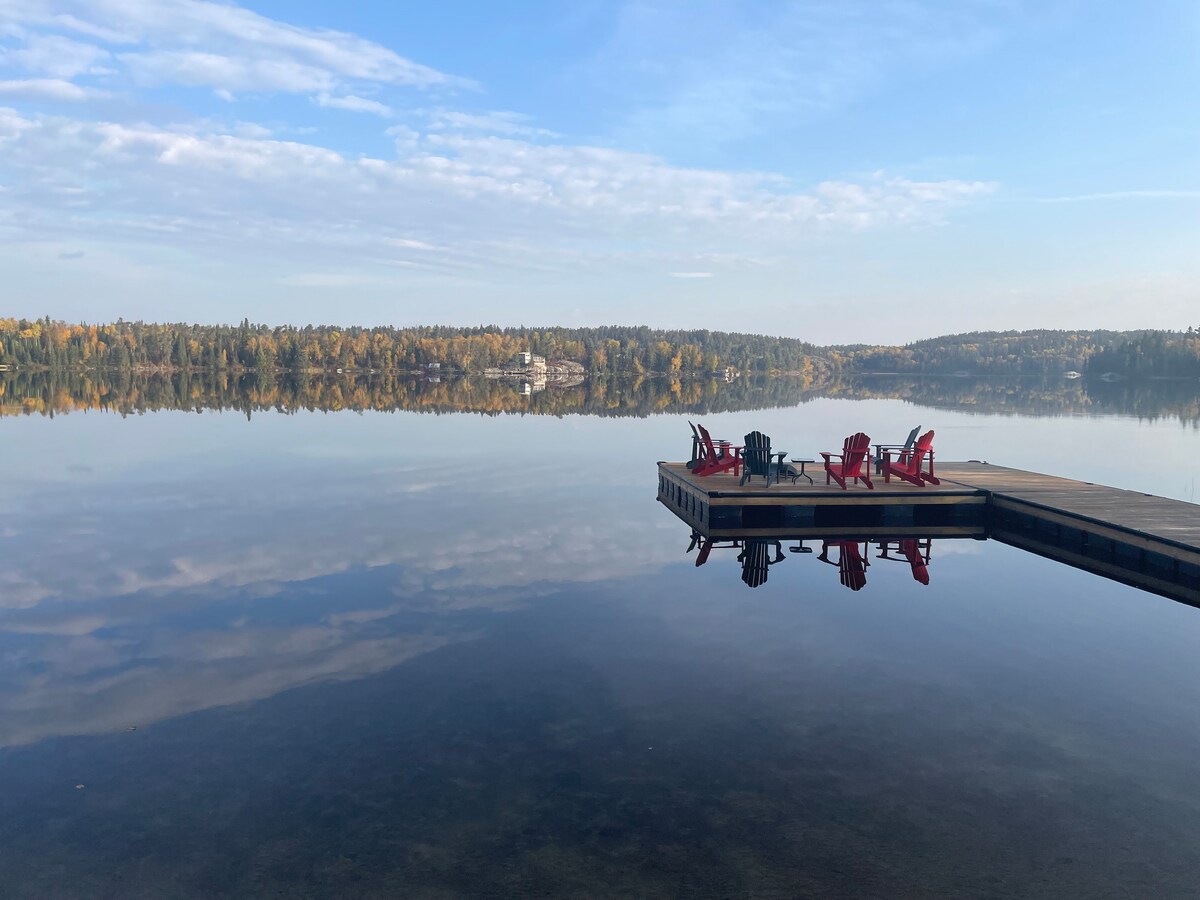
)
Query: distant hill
[{"x": 1036, "y": 352}]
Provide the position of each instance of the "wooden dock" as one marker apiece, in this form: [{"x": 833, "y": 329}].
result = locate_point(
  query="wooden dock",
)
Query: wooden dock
[
  {"x": 718, "y": 501},
  {"x": 1150, "y": 542}
]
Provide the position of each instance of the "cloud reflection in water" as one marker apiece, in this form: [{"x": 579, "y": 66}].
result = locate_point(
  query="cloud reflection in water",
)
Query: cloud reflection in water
[{"x": 213, "y": 588}]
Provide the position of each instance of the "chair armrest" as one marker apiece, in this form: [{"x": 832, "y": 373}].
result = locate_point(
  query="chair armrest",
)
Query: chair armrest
[{"x": 828, "y": 455}]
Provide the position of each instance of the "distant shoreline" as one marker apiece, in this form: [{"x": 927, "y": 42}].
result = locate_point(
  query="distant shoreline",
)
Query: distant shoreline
[
  {"x": 519, "y": 374},
  {"x": 603, "y": 351}
]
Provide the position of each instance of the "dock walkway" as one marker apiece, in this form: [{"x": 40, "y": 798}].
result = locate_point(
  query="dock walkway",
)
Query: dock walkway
[{"x": 1125, "y": 513}]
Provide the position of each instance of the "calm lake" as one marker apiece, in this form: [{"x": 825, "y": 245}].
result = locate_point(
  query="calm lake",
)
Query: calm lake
[{"x": 328, "y": 652}]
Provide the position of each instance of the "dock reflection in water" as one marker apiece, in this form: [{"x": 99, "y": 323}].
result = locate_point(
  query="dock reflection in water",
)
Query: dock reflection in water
[{"x": 850, "y": 557}]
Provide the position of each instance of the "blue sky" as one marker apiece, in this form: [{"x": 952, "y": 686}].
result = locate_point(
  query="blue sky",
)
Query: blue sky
[{"x": 837, "y": 171}]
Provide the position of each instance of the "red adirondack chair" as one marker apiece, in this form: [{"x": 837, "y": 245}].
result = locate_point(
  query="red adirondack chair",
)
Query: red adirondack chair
[
  {"x": 698, "y": 451},
  {"x": 852, "y": 565},
  {"x": 908, "y": 466},
  {"x": 711, "y": 462},
  {"x": 854, "y": 466},
  {"x": 912, "y": 551}
]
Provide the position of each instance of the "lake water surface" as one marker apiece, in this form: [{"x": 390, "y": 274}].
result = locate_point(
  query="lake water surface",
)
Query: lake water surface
[{"x": 397, "y": 654}]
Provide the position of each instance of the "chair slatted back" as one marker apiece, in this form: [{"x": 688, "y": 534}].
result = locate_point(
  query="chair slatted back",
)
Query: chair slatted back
[
  {"x": 855, "y": 451},
  {"x": 756, "y": 559},
  {"x": 756, "y": 454},
  {"x": 922, "y": 447},
  {"x": 710, "y": 452}
]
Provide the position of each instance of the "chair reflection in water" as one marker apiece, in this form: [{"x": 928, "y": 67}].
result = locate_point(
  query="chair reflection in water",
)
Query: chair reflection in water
[
  {"x": 707, "y": 545},
  {"x": 756, "y": 559},
  {"x": 912, "y": 551},
  {"x": 756, "y": 555},
  {"x": 851, "y": 562}
]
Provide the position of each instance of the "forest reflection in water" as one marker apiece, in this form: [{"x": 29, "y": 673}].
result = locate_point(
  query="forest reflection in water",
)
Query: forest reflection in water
[{"x": 132, "y": 392}]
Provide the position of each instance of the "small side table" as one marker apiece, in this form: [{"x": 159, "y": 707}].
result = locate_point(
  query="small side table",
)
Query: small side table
[{"x": 802, "y": 463}]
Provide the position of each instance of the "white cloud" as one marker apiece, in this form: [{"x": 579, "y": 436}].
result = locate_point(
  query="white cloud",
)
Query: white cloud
[
  {"x": 463, "y": 194},
  {"x": 475, "y": 201},
  {"x": 242, "y": 49},
  {"x": 55, "y": 89},
  {"x": 56, "y": 56},
  {"x": 353, "y": 103},
  {"x": 1125, "y": 195},
  {"x": 226, "y": 72},
  {"x": 91, "y": 29},
  {"x": 328, "y": 280},
  {"x": 409, "y": 244},
  {"x": 252, "y": 130},
  {"x": 508, "y": 124}
]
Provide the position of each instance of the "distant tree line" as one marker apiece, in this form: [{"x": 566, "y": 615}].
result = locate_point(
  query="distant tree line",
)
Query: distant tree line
[
  {"x": 613, "y": 349},
  {"x": 603, "y": 351}
]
